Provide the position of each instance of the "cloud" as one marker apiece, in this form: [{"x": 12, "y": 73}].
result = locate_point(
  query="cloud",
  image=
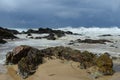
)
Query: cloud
[{"x": 61, "y": 12}]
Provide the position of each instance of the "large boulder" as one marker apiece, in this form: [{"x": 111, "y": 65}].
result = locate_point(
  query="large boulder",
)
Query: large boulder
[
  {"x": 28, "y": 65},
  {"x": 19, "y": 52},
  {"x": 28, "y": 58},
  {"x": 105, "y": 64}
]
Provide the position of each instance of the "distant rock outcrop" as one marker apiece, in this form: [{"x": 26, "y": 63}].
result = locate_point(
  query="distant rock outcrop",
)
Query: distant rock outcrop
[
  {"x": 53, "y": 34},
  {"x": 28, "y": 59},
  {"x": 91, "y": 41},
  {"x": 7, "y": 34}
]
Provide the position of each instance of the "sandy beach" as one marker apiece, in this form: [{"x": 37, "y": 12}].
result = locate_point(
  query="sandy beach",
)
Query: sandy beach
[{"x": 56, "y": 70}]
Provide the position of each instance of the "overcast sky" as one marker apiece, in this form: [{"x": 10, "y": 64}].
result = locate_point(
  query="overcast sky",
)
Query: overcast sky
[{"x": 53, "y": 13}]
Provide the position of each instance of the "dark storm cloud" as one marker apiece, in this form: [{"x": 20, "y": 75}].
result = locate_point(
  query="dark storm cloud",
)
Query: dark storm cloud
[{"x": 26, "y": 13}]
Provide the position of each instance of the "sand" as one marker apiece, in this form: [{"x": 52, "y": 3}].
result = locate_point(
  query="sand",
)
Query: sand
[{"x": 55, "y": 70}]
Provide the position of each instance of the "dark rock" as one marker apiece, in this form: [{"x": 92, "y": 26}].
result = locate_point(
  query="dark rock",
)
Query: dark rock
[
  {"x": 77, "y": 34},
  {"x": 105, "y": 35},
  {"x": 38, "y": 37},
  {"x": 61, "y": 52},
  {"x": 69, "y": 32},
  {"x": 6, "y": 34},
  {"x": 113, "y": 46},
  {"x": 2, "y": 41},
  {"x": 51, "y": 36},
  {"x": 8, "y": 57},
  {"x": 10, "y": 30},
  {"x": 105, "y": 64},
  {"x": 28, "y": 59},
  {"x": 29, "y": 34},
  {"x": 28, "y": 65},
  {"x": 17, "y": 53},
  {"x": 90, "y": 41},
  {"x": 58, "y": 33},
  {"x": 88, "y": 59}
]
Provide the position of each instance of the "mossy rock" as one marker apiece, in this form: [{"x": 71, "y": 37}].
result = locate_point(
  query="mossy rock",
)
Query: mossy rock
[
  {"x": 105, "y": 64},
  {"x": 88, "y": 59}
]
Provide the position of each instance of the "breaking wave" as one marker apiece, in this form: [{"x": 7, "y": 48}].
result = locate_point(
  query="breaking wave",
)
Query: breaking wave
[{"x": 93, "y": 30}]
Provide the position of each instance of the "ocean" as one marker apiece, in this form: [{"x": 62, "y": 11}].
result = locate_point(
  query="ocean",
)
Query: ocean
[{"x": 83, "y": 30}]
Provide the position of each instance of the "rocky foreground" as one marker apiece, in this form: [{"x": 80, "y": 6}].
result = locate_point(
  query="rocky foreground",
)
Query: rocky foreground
[{"x": 28, "y": 59}]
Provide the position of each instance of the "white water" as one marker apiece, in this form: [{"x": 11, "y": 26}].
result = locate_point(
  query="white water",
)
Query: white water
[{"x": 94, "y": 31}]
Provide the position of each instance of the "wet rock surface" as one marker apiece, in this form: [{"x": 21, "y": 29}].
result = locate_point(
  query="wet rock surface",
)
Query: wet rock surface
[
  {"x": 28, "y": 59},
  {"x": 90, "y": 41}
]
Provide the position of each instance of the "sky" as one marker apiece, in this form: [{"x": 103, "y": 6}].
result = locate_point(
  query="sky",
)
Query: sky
[{"x": 59, "y": 13}]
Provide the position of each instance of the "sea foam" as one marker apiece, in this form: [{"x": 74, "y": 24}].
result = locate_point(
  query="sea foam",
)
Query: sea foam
[{"x": 94, "y": 31}]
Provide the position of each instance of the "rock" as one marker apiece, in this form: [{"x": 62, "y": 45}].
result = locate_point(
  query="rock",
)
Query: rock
[
  {"x": 50, "y": 37},
  {"x": 6, "y": 34},
  {"x": 28, "y": 65},
  {"x": 2, "y": 41},
  {"x": 17, "y": 53},
  {"x": 10, "y": 30},
  {"x": 105, "y": 64},
  {"x": 61, "y": 52},
  {"x": 94, "y": 72},
  {"x": 69, "y": 32},
  {"x": 28, "y": 59},
  {"x": 8, "y": 58},
  {"x": 90, "y": 41},
  {"x": 29, "y": 35},
  {"x": 51, "y": 32},
  {"x": 58, "y": 33},
  {"x": 105, "y": 35},
  {"x": 87, "y": 60}
]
